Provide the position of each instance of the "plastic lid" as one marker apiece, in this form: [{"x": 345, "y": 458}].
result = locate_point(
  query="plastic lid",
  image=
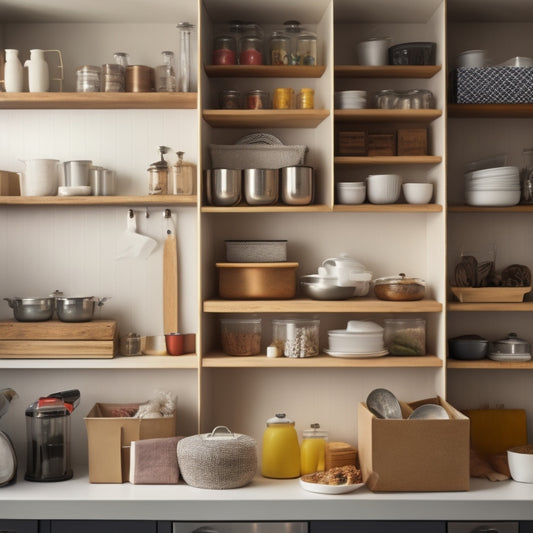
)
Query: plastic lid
[
  {"x": 315, "y": 432},
  {"x": 47, "y": 408}
]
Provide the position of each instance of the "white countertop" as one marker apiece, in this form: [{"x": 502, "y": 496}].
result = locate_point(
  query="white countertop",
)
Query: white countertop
[{"x": 263, "y": 499}]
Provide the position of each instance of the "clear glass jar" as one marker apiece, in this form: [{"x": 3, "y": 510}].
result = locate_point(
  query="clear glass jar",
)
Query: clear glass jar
[
  {"x": 280, "y": 48},
  {"x": 88, "y": 79},
  {"x": 182, "y": 177},
  {"x": 257, "y": 99},
  {"x": 405, "y": 336},
  {"x": 295, "y": 337},
  {"x": 165, "y": 74},
  {"x": 313, "y": 450},
  {"x": 183, "y": 84},
  {"x": 306, "y": 49},
  {"x": 240, "y": 336},
  {"x": 229, "y": 99},
  {"x": 121, "y": 58},
  {"x": 251, "y": 51},
  {"x": 225, "y": 50}
]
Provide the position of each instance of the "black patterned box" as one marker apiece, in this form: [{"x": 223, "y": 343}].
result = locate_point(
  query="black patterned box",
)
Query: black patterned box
[{"x": 493, "y": 85}]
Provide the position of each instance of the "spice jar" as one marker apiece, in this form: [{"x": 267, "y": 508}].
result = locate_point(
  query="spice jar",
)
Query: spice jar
[
  {"x": 224, "y": 52},
  {"x": 251, "y": 51},
  {"x": 257, "y": 99},
  {"x": 280, "y": 47},
  {"x": 229, "y": 99},
  {"x": 313, "y": 450}
]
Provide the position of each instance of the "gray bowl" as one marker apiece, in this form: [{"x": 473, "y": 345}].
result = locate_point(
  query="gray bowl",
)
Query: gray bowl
[
  {"x": 317, "y": 290},
  {"x": 468, "y": 347}
]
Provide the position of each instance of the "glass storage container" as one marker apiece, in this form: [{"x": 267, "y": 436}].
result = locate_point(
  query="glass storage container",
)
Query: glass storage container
[
  {"x": 280, "y": 49},
  {"x": 296, "y": 337},
  {"x": 165, "y": 74},
  {"x": 251, "y": 50},
  {"x": 303, "y": 47},
  {"x": 240, "y": 336},
  {"x": 313, "y": 450},
  {"x": 225, "y": 50},
  {"x": 405, "y": 336}
]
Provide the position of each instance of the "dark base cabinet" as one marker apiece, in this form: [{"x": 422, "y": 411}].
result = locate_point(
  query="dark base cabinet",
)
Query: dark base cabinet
[
  {"x": 19, "y": 526},
  {"x": 97, "y": 526},
  {"x": 372, "y": 526}
]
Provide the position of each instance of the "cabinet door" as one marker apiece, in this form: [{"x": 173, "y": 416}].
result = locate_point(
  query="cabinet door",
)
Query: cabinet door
[
  {"x": 103, "y": 526},
  {"x": 19, "y": 526},
  {"x": 373, "y": 526}
]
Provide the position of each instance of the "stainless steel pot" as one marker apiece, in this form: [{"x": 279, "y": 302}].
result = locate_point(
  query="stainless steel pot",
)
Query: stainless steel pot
[
  {"x": 79, "y": 309},
  {"x": 261, "y": 186},
  {"x": 297, "y": 185},
  {"x": 511, "y": 345},
  {"x": 224, "y": 186},
  {"x": 32, "y": 309}
]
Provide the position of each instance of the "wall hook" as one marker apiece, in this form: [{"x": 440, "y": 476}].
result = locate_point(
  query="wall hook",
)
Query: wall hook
[
  {"x": 146, "y": 212},
  {"x": 130, "y": 213},
  {"x": 167, "y": 213}
]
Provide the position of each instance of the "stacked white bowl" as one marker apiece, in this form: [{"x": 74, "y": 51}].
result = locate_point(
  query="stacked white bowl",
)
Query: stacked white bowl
[
  {"x": 499, "y": 186},
  {"x": 350, "y": 99},
  {"x": 351, "y": 192},
  {"x": 361, "y": 337}
]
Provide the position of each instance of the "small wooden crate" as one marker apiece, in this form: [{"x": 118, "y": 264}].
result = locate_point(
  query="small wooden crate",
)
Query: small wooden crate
[
  {"x": 413, "y": 141},
  {"x": 351, "y": 143},
  {"x": 381, "y": 143}
]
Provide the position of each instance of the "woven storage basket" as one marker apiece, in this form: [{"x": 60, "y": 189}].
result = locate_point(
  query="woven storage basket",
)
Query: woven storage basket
[
  {"x": 241, "y": 156},
  {"x": 217, "y": 460}
]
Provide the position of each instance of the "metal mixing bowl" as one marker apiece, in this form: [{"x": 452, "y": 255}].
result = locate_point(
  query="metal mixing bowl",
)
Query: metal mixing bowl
[
  {"x": 31, "y": 309},
  {"x": 319, "y": 288}
]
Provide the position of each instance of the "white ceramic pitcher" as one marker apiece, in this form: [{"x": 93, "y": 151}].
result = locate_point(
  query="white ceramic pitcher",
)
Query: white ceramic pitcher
[
  {"x": 38, "y": 73},
  {"x": 40, "y": 178},
  {"x": 13, "y": 72}
]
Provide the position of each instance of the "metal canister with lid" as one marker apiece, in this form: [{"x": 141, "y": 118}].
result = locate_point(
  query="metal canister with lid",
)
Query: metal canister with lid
[
  {"x": 158, "y": 174},
  {"x": 283, "y": 98},
  {"x": 305, "y": 99}
]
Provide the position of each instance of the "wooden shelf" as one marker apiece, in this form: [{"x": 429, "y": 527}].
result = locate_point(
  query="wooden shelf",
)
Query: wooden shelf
[
  {"x": 472, "y": 209},
  {"x": 490, "y": 110},
  {"x": 389, "y": 71},
  {"x": 388, "y": 160},
  {"x": 491, "y": 306},
  {"x": 488, "y": 364},
  {"x": 301, "y": 305},
  {"x": 314, "y": 208},
  {"x": 148, "y": 362},
  {"x": 265, "y": 118},
  {"x": 322, "y": 361},
  {"x": 387, "y": 115},
  {"x": 264, "y": 71},
  {"x": 388, "y": 208},
  {"x": 168, "y": 199},
  {"x": 98, "y": 100}
]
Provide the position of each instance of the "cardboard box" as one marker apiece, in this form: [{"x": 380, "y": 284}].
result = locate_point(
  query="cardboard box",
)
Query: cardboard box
[
  {"x": 109, "y": 438},
  {"x": 414, "y": 455},
  {"x": 9, "y": 183}
]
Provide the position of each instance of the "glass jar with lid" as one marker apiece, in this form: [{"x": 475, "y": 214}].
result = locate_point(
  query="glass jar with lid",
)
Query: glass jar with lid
[
  {"x": 225, "y": 50},
  {"x": 303, "y": 49},
  {"x": 405, "y": 336},
  {"x": 165, "y": 74},
  {"x": 280, "y": 48},
  {"x": 313, "y": 450},
  {"x": 251, "y": 50}
]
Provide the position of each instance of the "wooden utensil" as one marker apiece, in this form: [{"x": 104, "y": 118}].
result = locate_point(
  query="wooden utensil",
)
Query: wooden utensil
[{"x": 170, "y": 277}]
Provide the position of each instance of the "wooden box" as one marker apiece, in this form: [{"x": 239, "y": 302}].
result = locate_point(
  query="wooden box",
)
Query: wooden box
[
  {"x": 53, "y": 339},
  {"x": 381, "y": 143},
  {"x": 9, "y": 183},
  {"x": 351, "y": 143},
  {"x": 412, "y": 141}
]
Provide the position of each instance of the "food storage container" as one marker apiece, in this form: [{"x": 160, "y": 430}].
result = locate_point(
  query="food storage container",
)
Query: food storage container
[
  {"x": 224, "y": 186},
  {"x": 511, "y": 347},
  {"x": 416, "y": 53},
  {"x": 217, "y": 460},
  {"x": 297, "y": 185},
  {"x": 296, "y": 337},
  {"x": 520, "y": 460},
  {"x": 399, "y": 288},
  {"x": 468, "y": 347},
  {"x": 264, "y": 281},
  {"x": 240, "y": 335},
  {"x": 261, "y": 186},
  {"x": 281, "y": 450},
  {"x": 313, "y": 450},
  {"x": 405, "y": 336},
  {"x": 255, "y": 251}
]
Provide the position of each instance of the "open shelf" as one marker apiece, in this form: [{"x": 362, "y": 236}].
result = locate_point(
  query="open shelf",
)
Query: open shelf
[
  {"x": 265, "y": 118},
  {"x": 302, "y": 305},
  {"x": 488, "y": 364},
  {"x": 264, "y": 71},
  {"x": 321, "y": 361},
  {"x": 167, "y": 199},
  {"x": 388, "y": 160},
  {"x": 388, "y": 71},
  {"x": 387, "y": 115},
  {"x": 472, "y": 209},
  {"x": 98, "y": 100},
  {"x": 490, "y": 306},
  {"x": 314, "y": 208},
  {"x": 490, "y": 110},
  {"x": 388, "y": 208}
]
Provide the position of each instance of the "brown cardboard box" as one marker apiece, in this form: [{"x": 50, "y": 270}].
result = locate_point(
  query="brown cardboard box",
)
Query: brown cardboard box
[
  {"x": 414, "y": 455},
  {"x": 9, "y": 183},
  {"x": 109, "y": 439}
]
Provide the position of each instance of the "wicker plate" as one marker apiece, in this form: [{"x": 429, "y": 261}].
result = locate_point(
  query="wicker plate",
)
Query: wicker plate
[{"x": 490, "y": 294}]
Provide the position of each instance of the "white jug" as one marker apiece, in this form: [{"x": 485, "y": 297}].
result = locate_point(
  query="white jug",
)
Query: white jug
[
  {"x": 13, "y": 72},
  {"x": 41, "y": 177},
  {"x": 38, "y": 73}
]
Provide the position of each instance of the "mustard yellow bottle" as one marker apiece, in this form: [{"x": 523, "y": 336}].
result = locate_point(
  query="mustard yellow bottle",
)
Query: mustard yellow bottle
[
  {"x": 313, "y": 450},
  {"x": 281, "y": 450}
]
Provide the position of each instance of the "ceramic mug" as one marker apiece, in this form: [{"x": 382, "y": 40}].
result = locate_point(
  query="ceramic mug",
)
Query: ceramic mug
[{"x": 174, "y": 343}]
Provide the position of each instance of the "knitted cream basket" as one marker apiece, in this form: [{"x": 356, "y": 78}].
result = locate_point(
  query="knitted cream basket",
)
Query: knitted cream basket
[{"x": 217, "y": 460}]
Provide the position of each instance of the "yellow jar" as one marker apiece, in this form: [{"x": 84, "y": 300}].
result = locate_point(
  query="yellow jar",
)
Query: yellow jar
[
  {"x": 313, "y": 450},
  {"x": 306, "y": 99},
  {"x": 283, "y": 98},
  {"x": 281, "y": 450}
]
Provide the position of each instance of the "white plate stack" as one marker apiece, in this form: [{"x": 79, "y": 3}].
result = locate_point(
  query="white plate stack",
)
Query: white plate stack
[
  {"x": 498, "y": 186},
  {"x": 350, "y": 99}
]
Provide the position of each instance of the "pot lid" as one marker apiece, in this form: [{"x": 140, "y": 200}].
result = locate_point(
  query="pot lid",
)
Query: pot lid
[
  {"x": 280, "y": 418},
  {"x": 513, "y": 338},
  {"x": 401, "y": 279}
]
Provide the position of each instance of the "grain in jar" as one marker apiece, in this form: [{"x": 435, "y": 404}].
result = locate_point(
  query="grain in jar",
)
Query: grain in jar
[
  {"x": 296, "y": 338},
  {"x": 240, "y": 336}
]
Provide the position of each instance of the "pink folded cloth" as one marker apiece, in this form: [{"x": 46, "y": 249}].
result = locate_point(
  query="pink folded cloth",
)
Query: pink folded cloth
[{"x": 154, "y": 461}]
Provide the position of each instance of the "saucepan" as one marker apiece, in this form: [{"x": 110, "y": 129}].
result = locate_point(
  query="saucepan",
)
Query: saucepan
[
  {"x": 32, "y": 309},
  {"x": 78, "y": 309}
]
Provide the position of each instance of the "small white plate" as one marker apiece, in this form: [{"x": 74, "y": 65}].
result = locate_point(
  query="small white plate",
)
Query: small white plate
[
  {"x": 516, "y": 358},
  {"x": 80, "y": 190},
  {"x": 329, "y": 489},
  {"x": 348, "y": 355}
]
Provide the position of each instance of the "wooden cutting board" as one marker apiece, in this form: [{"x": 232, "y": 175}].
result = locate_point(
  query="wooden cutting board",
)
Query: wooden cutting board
[{"x": 170, "y": 280}]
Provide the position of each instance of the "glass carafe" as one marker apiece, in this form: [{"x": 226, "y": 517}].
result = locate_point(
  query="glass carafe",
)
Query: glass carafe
[
  {"x": 184, "y": 57},
  {"x": 165, "y": 74}
]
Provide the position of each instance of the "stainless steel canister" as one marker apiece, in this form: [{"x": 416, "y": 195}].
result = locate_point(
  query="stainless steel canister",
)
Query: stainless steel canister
[
  {"x": 261, "y": 186},
  {"x": 139, "y": 79},
  {"x": 297, "y": 185},
  {"x": 102, "y": 181},
  {"x": 76, "y": 173},
  {"x": 224, "y": 186}
]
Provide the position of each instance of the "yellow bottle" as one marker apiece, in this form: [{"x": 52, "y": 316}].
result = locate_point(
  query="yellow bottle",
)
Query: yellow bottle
[
  {"x": 281, "y": 450},
  {"x": 313, "y": 450}
]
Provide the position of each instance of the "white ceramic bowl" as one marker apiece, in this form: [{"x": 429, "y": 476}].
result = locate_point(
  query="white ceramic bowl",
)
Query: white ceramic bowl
[
  {"x": 341, "y": 340},
  {"x": 520, "y": 460},
  {"x": 374, "y": 52},
  {"x": 499, "y": 198},
  {"x": 472, "y": 58},
  {"x": 351, "y": 193},
  {"x": 417, "y": 193},
  {"x": 383, "y": 188}
]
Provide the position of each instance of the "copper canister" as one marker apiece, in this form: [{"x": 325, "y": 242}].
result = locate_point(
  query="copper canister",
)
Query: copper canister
[
  {"x": 139, "y": 79},
  {"x": 283, "y": 98}
]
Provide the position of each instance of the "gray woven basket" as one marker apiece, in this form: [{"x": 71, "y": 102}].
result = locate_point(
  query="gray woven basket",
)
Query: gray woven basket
[
  {"x": 241, "y": 156},
  {"x": 217, "y": 460}
]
